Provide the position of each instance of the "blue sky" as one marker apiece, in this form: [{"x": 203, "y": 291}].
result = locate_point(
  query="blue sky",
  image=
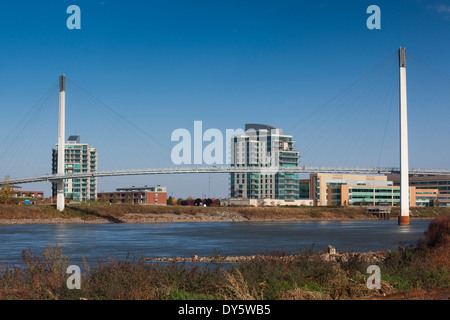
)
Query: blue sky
[{"x": 164, "y": 64}]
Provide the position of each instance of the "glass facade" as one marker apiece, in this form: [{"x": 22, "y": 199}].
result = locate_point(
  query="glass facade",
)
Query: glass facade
[
  {"x": 442, "y": 186},
  {"x": 374, "y": 196},
  {"x": 303, "y": 190},
  {"x": 441, "y": 183},
  {"x": 264, "y": 148},
  {"x": 78, "y": 158}
]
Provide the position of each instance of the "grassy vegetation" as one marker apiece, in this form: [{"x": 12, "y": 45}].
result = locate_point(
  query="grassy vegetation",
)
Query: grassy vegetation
[
  {"x": 307, "y": 276},
  {"x": 115, "y": 212}
]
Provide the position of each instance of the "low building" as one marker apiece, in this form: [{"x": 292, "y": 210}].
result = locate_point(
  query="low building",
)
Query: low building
[
  {"x": 266, "y": 202},
  {"x": 427, "y": 197},
  {"x": 17, "y": 192},
  {"x": 136, "y": 195},
  {"x": 374, "y": 195},
  {"x": 325, "y": 189},
  {"x": 428, "y": 184},
  {"x": 201, "y": 202},
  {"x": 354, "y": 189}
]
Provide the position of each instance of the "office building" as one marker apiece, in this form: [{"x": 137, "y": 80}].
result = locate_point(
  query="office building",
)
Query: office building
[
  {"x": 79, "y": 157},
  {"x": 429, "y": 183},
  {"x": 325, "y": 189},
  {"x": 354, "y": 189}
]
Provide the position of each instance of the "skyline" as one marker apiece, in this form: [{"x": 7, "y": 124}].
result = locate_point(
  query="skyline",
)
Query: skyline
[{"x": 164, "y": 66}]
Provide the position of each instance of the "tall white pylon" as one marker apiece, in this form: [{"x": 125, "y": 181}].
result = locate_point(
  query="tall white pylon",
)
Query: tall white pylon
[
  {"x": 61, "y": 139},
  {"x": 403, "y": 219}
]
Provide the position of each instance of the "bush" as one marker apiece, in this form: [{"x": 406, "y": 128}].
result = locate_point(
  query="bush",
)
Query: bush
[{"x": 438, "y": 232}]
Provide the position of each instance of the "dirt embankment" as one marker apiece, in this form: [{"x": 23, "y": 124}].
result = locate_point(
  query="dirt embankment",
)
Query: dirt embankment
[{"x": 102, "y": 213}]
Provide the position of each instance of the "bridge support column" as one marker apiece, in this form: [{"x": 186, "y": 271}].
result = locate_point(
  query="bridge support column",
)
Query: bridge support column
[
  {"x": 403, "y": 219},
  {"x": 61, "y": 139},
  {"x": 60, "y": 195}
]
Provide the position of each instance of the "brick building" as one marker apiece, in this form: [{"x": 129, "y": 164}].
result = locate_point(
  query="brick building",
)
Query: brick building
[
  {"x": 136, "y": 195},
  {"x": 17, "y": 192}
]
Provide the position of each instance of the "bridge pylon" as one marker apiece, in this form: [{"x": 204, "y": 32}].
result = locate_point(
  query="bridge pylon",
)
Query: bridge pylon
[
  {"x": 403, "y": 218},
  {"x": 60, "y": 198}
]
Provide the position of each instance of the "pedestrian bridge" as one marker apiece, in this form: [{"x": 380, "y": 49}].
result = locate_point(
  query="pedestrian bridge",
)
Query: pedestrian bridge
[{"x": 222, "y": 169}]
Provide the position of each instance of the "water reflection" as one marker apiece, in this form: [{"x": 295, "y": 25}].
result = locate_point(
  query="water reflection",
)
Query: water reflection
[{"x": 405, "y": 229}]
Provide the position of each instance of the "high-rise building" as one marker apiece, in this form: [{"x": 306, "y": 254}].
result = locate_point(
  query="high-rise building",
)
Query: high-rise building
[
  {"x": 265, "y": 147},
  {"x": 79, "y": 157}
]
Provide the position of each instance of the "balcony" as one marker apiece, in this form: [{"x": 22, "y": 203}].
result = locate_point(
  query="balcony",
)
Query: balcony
[
  {"x": 289, "y": 154},
  {"x": 289, "y": 160}
]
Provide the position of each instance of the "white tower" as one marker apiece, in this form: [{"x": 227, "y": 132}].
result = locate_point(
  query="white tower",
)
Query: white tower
[
  {"x": 61, "y": 137},
  {"x": 403, "y": 219}
]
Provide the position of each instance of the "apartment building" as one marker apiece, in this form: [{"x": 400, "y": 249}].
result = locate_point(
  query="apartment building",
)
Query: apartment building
[
  {"x": 264, "y": 147},
  {"x": 79, "y": 157},
  {"x": 136, "y": 195}
]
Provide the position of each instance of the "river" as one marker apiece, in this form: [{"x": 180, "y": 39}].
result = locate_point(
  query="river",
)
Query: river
[{"x": 99, "y": 241}]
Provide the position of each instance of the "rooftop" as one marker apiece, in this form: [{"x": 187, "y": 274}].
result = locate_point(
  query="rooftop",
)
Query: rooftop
[
  {"x": 73, "y": 139},
  {"x": 256, "y": 127}
]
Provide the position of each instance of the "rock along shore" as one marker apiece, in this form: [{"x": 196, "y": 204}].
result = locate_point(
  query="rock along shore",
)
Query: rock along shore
[
  {"x": 163, "y": 218},
  {"x": 329, "y": 255}
]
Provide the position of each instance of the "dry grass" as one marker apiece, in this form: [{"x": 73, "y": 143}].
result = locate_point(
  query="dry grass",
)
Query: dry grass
[
  {"x": 21, "y": 212},
  {"x": 253, "y": 213},
  {"x": 306, "y": 276},
  {"x": 235, "y": 287},
  {"x": 303, "y": 294},
  {"x": 115, "y": 212}
]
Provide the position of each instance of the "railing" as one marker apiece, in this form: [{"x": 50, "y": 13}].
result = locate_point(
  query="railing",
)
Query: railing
[{"x": 222, "y": 169}]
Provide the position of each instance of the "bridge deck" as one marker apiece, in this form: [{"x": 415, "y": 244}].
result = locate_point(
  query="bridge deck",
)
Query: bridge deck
[{"x": 223, "y": 169}]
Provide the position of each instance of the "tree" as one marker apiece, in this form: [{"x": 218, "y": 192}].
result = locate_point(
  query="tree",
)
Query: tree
[
  {"x": 6, "y": 191},
  {"x": 170, "y": 201},
  {"x": 363, "y": 202},
  {"x": 104, "y": 198},
  {"x": 129, "y": 198}
]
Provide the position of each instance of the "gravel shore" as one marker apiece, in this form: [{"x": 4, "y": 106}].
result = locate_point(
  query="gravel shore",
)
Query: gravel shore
[{"x": 158, "y": 218}]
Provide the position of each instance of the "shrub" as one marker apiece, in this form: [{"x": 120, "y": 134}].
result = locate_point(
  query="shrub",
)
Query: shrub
[{"x": 438, "y": 232}]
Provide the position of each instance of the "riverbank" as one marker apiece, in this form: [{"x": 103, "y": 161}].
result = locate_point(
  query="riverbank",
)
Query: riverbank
[
  {"x": 413, "y": 272},
  {"x": 103, "y": 213},
  {"x": 418, "y": 271}
]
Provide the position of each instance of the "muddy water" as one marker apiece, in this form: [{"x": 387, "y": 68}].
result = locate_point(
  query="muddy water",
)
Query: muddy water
[{"x": 203, "y": 239}]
